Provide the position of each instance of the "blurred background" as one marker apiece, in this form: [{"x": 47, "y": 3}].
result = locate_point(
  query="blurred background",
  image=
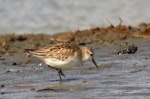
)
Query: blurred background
[{"x": 54, "y": 16}]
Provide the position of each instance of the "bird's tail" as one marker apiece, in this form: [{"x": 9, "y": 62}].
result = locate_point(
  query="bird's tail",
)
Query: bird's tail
[{"x": 28, "y": 50}]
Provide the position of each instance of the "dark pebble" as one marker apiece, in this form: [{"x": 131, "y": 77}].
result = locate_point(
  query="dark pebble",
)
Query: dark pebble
[
  {"x": 14, "y": 63},
  {"x": 2, "y": 86}
]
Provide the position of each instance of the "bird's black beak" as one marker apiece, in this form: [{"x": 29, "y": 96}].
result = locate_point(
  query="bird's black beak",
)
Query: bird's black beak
[{"x": 94, "y": 61}]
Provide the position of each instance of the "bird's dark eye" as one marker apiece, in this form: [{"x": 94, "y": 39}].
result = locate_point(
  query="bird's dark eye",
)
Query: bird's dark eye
[{"x": 91, "y": 54}]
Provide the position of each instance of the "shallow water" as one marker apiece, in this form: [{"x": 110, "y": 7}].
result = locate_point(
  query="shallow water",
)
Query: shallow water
[
  {"x": 118, "y": 76},
  {"x": 51, "y": 16}
]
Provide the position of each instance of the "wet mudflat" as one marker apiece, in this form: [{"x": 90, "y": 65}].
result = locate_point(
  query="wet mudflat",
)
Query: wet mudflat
[{"x": 118, "y": 76}]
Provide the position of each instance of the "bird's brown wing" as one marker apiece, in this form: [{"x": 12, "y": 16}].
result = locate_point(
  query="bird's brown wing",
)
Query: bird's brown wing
[{"x": 58, "y": 51}]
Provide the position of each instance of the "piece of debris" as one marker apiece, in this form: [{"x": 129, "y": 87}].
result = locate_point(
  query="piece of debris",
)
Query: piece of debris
[
  {"x": 48, "y": 89},
  {"x": 23, "y": 87},
  {"x": 2, "y": 93},
  {"x": 14, "y": 63},
  {"x": 2, "y": 58},
  {"x": 2, "y": 86},
  {"x": 128, "y": 49}
]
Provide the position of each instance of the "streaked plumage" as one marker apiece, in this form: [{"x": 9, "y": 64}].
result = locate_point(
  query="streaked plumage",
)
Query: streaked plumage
[{"x": 63, "y": 55}]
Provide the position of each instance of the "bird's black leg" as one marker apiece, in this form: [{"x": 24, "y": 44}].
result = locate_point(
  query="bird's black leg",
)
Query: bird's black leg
[{"x": 60, "y": 73}]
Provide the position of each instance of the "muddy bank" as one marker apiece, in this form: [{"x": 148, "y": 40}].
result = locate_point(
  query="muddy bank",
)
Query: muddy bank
[
  {"x": 12, "y": 43},
  {"x": 118, "y": 75}
]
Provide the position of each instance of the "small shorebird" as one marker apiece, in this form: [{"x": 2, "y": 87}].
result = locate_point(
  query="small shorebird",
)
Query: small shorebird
[{"x": 63, "y": 55}]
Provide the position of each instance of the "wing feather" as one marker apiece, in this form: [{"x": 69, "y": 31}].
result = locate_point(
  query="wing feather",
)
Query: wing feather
[{"x": 58, "y": 51}]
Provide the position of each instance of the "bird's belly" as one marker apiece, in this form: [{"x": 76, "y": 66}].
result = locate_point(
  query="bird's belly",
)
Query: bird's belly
[{"x": 68, "y": 63}]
